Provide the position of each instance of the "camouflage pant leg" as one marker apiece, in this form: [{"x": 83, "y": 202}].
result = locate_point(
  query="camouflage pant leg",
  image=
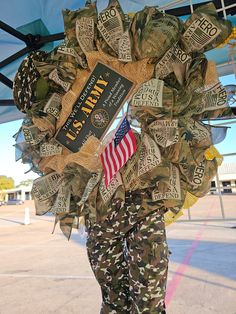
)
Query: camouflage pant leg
[
  {"x": 129, "y": 259},
  {"x": 111, "y": 271},
  {"x": 148, "y": 264}
]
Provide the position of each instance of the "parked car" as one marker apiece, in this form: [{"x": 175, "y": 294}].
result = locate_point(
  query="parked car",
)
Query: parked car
[{"x": 14, "y": 202}]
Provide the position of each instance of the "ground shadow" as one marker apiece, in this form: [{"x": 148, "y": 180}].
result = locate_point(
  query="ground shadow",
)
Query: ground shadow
[{"x": 214, "y": 257}]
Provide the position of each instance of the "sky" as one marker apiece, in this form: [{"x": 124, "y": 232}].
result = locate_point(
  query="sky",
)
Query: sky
[
  {"x": 8, "y": 166},
  {"x": 17, "y": 170}
]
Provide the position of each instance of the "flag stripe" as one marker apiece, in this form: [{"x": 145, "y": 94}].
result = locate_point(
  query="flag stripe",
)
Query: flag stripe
[
  {"x": 105, "y": 167},
  {"x": 133, "y": 139},
  {"x": 121, "y": 152},
  {"x": 117, "y": 163},
  {"x": 130, "y": 144},
  {"x": 118, "y": 151},
  {"x": 126, "y": 154},
  {"x": 111, "y": 154},
  {"x": 118, "y": 156},
  {"x": 127, "y": 147},
  {"x": 109, "y": 166}
]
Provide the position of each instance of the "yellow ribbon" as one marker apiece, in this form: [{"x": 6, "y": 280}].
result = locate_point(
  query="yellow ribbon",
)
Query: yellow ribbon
[
  {"x": 232, "y": 36},
  {"x": 212, "y": 153},
  {"x": 170, "y": 217},
  {"x": 189, "y": 201}
]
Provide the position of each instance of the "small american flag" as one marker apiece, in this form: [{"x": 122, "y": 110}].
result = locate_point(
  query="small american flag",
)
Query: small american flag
[{"x": 118, "y": 151}]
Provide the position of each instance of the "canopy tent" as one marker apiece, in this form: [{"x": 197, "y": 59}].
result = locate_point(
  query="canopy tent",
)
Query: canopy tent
[{"x": 32, "y": 24}]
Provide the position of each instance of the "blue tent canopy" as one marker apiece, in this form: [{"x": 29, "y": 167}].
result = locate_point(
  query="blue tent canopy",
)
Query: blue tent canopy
[{"x": 44, "y": 18}]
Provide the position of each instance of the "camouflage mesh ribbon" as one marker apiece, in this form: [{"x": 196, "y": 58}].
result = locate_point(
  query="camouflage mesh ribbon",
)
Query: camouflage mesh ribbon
[
  {"x": 175, "y": 89},
  {"x": 26, "y": 81}
]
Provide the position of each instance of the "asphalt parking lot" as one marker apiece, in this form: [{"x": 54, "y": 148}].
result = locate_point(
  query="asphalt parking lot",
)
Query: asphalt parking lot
[{"x": 43, "y": 273}]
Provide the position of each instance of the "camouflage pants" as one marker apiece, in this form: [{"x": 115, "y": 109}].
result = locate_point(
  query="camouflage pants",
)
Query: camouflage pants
[{"x": 129, "y": 258}]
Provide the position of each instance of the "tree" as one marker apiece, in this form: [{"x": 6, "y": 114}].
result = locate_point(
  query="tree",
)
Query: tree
[
  {"x": 2, "y": 196},
  {"x": 27, "y": 182},
  {"x": 6, "y": 183}
]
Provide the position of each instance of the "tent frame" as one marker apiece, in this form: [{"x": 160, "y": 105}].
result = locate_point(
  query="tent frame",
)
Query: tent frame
[{"x": 33, "y": 42}]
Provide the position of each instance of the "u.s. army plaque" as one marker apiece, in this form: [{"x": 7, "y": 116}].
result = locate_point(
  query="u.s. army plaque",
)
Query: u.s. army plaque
[{"x": 96, "y": 107}]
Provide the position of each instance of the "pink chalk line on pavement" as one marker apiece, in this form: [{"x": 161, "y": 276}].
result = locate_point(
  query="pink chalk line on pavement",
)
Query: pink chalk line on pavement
[{"x": 178, "y": 275}]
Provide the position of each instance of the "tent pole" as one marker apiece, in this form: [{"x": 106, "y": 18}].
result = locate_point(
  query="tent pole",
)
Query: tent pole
[
  {"x": 5, "y": 80},
  {"x": 7, "y": 102},
  {"x": 50, "y": 38},
  {"x": 15, "y": 56},
  {"x": 13, "y": 31}
]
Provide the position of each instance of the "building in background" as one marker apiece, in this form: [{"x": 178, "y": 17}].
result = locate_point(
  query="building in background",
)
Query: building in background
[
  {"x": 22, "y": 193},
  {"x": 227, "y": 178}
]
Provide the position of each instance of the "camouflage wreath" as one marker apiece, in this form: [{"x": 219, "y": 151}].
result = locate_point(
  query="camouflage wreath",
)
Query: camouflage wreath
[{"x": 155, "y": 62}]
